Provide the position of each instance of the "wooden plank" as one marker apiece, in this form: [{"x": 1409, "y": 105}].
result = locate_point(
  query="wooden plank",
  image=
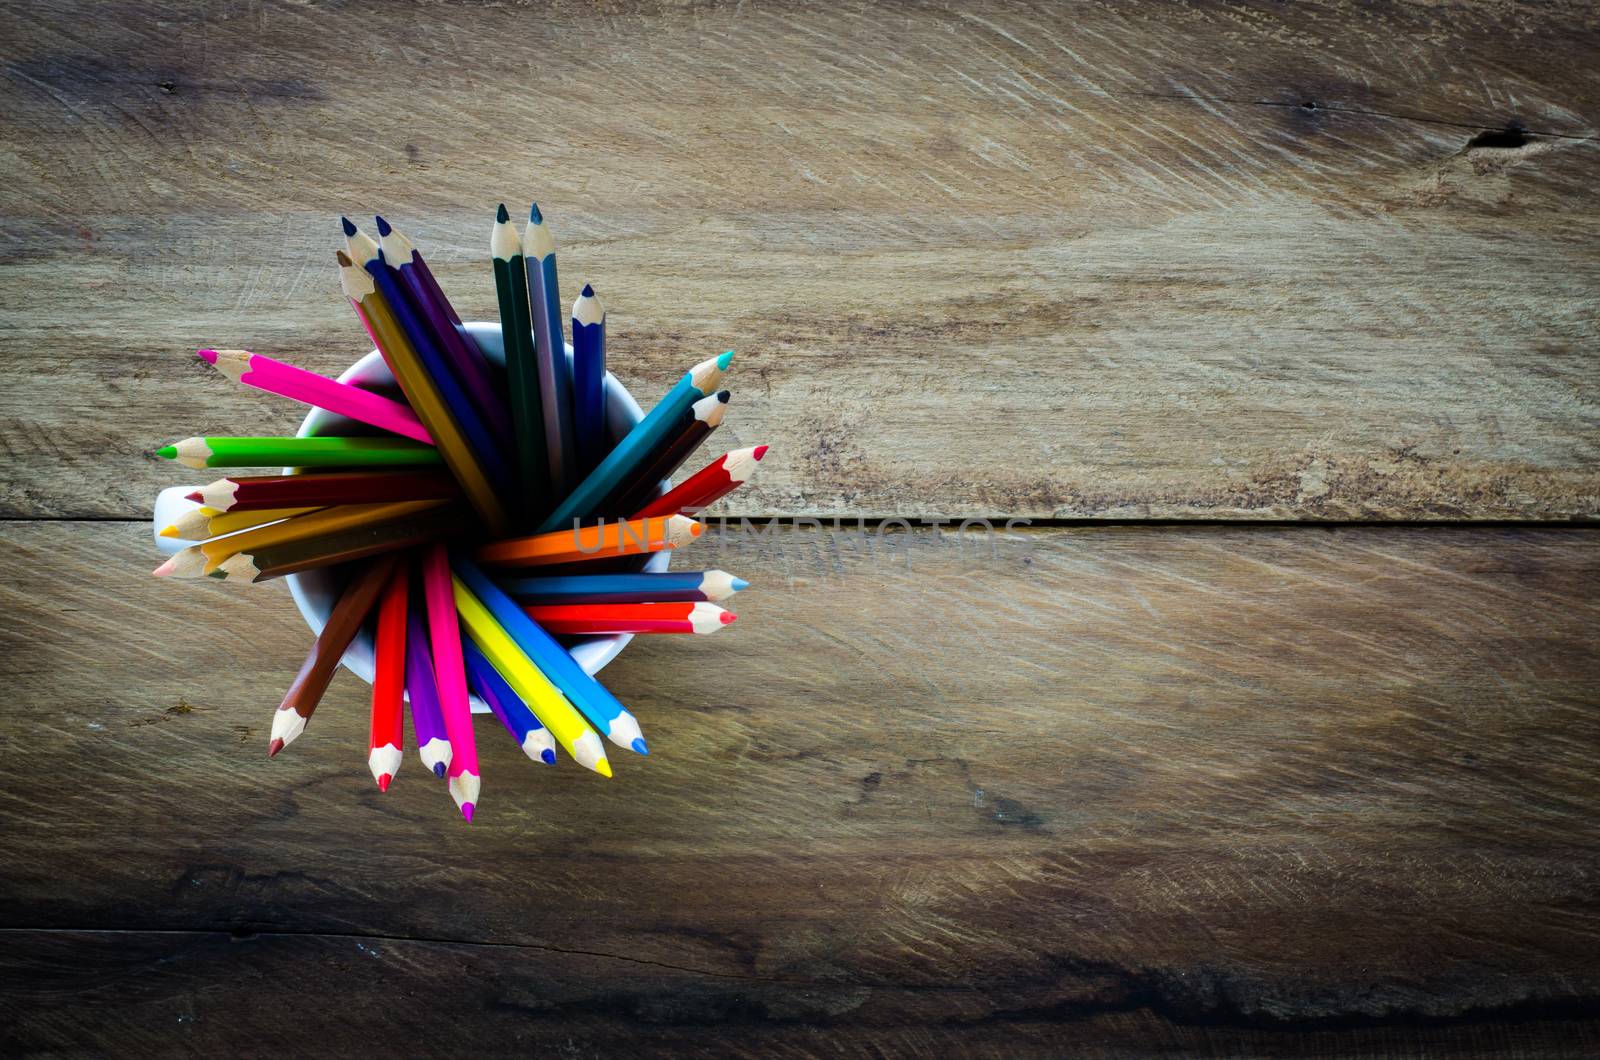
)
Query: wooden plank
[
  {"x": 1106, "y": 254},
  {"x": 1293, "y": 791}
]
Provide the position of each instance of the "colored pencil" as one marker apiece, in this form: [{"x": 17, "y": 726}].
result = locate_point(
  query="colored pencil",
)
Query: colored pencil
[
  {"x": 638, "y": 588},
  {"x": 708, "y": 485},
  {"x": 589, "y": 543},
  {"x": 386, "y": 734},
  {"x": 588, "y": 380},
  {"x": 197, "y": 524},
  {"x": 704, "y": 417},
  {"x": 534, "y": 739},
  {"x": 300, "y": 452},
  {"x": 427, "y": 717},
  {"x": 317, "y": 524},
  {"x": 309, "y": 388},
  {"x": 376, "y": 316},
  {"x": 480, "y": 442},
  {"x": 292, "y": 557},
  {"x": 645, "y": 437},
  {"x": 584, "y": 619},
  {"x": 522, "y": 371},
  {"x": 550, "y": 352},
  {"x": 555, "y": 662},
  {"x": 352, "y": 608},
  {"x": 450, "y": 676},
  {"x": 532, "y": 686},
  {"x": 459, "y": 348},
  {"x": 243, "y": 494}
]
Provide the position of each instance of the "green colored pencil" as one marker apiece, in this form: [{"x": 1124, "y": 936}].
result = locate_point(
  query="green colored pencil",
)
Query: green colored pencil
[
  {"x": 522, "y": 370},
  {"x": 300, "y": 452}
]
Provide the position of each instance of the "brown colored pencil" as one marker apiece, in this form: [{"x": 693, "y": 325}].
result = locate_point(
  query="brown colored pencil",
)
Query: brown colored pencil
[
  {"x": 379, "y": 320},
  {"x": 317, "y": 524},
  {"x": 303, "y": 491},
  {"x": 291, "y": 557},
  {"x": 355, "y": 603}
]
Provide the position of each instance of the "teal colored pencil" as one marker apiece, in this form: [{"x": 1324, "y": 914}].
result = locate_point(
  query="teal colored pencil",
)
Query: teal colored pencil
[
  {"x": 550, "y": 351},
  {"x": 647, "y": 436},
  {"x": 555, "y": 662},
  {"x": 522, "y": 372}
]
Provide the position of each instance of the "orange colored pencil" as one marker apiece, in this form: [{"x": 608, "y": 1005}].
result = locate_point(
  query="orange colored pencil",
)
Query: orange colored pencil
[{"x": 605, "y": 541}]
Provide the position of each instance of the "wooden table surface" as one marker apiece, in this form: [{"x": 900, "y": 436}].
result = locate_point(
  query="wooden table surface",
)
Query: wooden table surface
[{"x": 1273, "y": 733}]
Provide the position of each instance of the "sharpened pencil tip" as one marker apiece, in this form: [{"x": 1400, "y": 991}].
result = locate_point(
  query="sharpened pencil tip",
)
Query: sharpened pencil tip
[
  {"x": 537, "y": 218},
  {"x": 739, "y": 584},
  {"x": 725, "y": 360},
  {"x": 603, "y": 767},
  {"x": 588, "y": 292},
  {"x": 383, "y": 226},
  {"x": 548, "y": 756},
  {"x": 640, "y": 746},
  {"x": 170, "y": 452},
  {"x": 502, "y": 216},
  {"x": 348, "y": 225},
  {"x": 438, "y": 770},
  {"x": 724, "y": 395},
  {"x": 727, "y": 616},
  {"x": 166, "y": 569},
  {"x": 274, "y": 747},
  {"x": 208, "y": 356},
  {"x": 467, "y": 810},
  {"x": 169, "y": 531},
  {"x": 195, "y": 496},
  {"x": 383, "y": 782},
  {"x": 761, "y": 451}
]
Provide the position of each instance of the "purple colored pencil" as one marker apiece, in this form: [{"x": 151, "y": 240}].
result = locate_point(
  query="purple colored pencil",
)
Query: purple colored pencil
[
  {"x": 436, "y": 313},
  {"x": 427, "y": 718},
  {"x": 534, "y": 739}
]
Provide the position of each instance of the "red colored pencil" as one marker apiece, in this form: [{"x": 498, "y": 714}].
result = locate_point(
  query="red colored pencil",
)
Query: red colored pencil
[
  {"x": 387, "y": 734},
  {"x": 354, "y": 487},
  {"x": 630, "y": 618},
  {"x": 708, "y": 485}
]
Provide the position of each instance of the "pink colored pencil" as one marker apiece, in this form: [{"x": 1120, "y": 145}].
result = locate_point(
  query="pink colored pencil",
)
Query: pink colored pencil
[
  {"x": 297, "y": 384},
  {"x": 449, "y": 671}
]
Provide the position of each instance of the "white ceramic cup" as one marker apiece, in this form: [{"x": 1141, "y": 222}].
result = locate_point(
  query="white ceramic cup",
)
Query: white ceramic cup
[{"x": 315, "y": 591}]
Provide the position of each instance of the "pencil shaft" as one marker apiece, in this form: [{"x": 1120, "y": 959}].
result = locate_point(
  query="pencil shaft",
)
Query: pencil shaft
[
  {"x": 292, "y": 557},
  {"x": 605, "y": 541},
  {"x": 644, "y": 483},
  {"x": 449, "y": 673},
  {"x": 522, "y": 384},
  {"x": 304, "y": 452},
  {"x": 464, "y": 357},
  {"x": 535, "y": 689},
  {"x": 242, "y": 494},
  {"x": 612, "y": 618},
  {"x": 708, "y": 485},
  {"x": 555, "y": 381},
  {"x": 503, "y": 701},
  {"x": 641, "y": 587},
  {"x": 588, "y": 383},
  {"x": 427, "y": 719},
  {"x": 321, "y": 523},
  {"x": 285, "y": 380},
  {"x": 352, "y": 608},
  {"x": 386, "y": 738},
  {"x": 554, "y": 661}
]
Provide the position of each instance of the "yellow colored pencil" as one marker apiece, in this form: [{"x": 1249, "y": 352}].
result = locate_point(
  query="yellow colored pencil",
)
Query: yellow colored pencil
[
  {"x": 547, "y": 703},
  {"x": 202, "y": 522},
  {"x": 608, "y": 541},
  {"x": 403, "y": 361}
]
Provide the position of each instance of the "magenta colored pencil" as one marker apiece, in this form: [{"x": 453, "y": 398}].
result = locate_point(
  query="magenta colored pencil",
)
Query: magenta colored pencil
[
  {"x": 460, "y": 350},
  {"x": 450, "y": 674},
  {"x": 427, "y": 721},
  {"x": 297, "y": 384}
]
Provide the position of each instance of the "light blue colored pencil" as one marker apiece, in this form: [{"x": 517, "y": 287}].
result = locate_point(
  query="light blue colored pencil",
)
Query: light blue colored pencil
[
  {"x": 555, "y": 662},
  {"x": 646, "y": 587},
  {"x": 534, "y": 739},
  {"x": 648, "y": 435},
  {"x": 589, "y": 379},
  {"x": 550, "y": 352}
]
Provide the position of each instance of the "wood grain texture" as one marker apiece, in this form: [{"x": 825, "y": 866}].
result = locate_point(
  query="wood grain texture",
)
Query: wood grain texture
[
  {"x": 1101, "y": 792},
  {"x": 1220, "y": 259}
]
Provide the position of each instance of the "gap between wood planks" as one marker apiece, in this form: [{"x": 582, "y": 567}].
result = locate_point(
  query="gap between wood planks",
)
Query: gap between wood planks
[{"x": 1331, "y": 108}]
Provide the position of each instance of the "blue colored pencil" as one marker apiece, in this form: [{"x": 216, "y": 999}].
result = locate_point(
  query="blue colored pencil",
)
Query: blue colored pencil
[
  {"x": 634, "y": 588},
  {"x": 588, "y": 695},
  {"x": 534, "y": 739},
  {"x": 550, "y": 351},
  {"x": 589, "y": 379},
  {"x": 427, "y": 717},
  {"x": 648, "y": 436},
  {"x": 433, "y": 310},
  {"x": 489, "y": 455}
]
